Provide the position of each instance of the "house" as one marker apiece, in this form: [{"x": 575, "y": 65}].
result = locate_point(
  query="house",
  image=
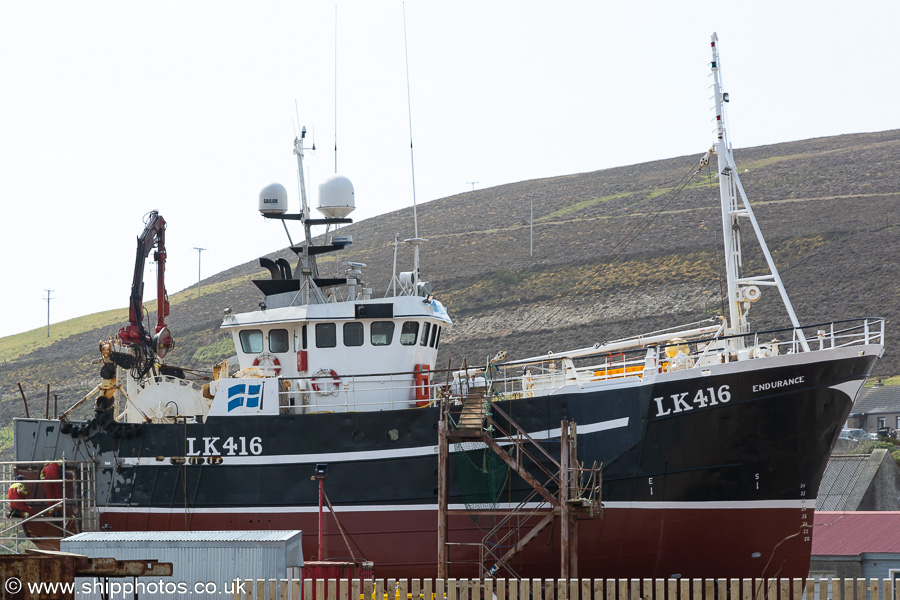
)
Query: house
[
  {"x": 876, "y": 407},
  {"x": 864, "y": 544}
]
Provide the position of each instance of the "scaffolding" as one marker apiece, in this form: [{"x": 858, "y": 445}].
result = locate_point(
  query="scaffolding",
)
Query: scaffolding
[
  {"x": 559, "y": 488},
  {"x": 73, "y": 512}
]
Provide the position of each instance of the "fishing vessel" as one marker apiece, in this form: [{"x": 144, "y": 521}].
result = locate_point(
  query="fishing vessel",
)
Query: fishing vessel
[{"x": 711, "y": 439}]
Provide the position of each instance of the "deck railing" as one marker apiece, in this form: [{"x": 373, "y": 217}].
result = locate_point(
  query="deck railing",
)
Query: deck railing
[{"x": 628, "y": 363}]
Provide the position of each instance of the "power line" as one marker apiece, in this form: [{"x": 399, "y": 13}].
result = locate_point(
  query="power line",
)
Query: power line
[
  {"x": 199, "y": 254},
  {"x": 48, "y": 299}
]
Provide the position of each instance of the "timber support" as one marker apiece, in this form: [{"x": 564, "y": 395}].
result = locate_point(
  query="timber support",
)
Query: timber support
[{"x": 557, "y": 487}]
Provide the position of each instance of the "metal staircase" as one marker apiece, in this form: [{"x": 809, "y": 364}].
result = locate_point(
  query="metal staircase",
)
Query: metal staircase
[{"x": 559, "y": 487}]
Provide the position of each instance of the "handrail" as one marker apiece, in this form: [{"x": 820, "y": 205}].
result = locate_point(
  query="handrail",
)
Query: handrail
[
  {"x": 78, "y": 508},
  {"x": 369, "y": 391}
]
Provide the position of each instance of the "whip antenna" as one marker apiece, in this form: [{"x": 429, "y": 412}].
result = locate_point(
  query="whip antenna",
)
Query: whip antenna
[
  {"x": 335, "y": 88},
  {"x": 416, "y": 240},
  {"x": 412, "y": 162}
]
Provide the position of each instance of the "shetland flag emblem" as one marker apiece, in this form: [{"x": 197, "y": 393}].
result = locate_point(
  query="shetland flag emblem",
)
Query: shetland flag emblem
[{"x": 243, "y": 394}]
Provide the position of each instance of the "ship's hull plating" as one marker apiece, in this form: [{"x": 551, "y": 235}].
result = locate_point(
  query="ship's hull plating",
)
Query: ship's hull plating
[
  {"x": 705, "y": 474},
  {"x": 628, "y": 542}
]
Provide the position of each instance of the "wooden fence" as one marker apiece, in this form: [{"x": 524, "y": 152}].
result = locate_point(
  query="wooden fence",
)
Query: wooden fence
[{"x": 573, "y": 589}]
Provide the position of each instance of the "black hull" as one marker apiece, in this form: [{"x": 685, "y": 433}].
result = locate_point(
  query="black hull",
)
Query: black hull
[{"x": 702, "y": 475}]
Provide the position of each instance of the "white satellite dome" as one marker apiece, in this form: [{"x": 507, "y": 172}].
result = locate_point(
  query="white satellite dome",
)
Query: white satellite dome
[
  {"x": 273, "y": 199},
  {"x": 336, "y": 198}
]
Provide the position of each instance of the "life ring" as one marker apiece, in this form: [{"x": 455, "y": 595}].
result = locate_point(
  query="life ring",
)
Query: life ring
[
  {"x": 331, "y": 389},
  {"x": 422, "y": 385},
  {"x": 270, "y": 358}
]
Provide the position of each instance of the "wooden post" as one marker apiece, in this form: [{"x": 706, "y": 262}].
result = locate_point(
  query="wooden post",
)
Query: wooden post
[
  {"x": 572, "y": 478},
  {"x": 47, "y": 411},
  {"x": 443, "y": 450},
  {"x": 565, "y": 521}
]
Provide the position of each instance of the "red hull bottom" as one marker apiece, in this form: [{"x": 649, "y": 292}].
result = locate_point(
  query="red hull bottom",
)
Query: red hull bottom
[{"x": 626, "y": 543}]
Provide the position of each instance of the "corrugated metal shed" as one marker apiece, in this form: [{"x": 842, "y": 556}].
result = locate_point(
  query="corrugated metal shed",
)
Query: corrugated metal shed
[
  {"x": 205, "y": 557},
  {"x": 185, "y": 536},
  {"x": 841, "y": 476},
  {"x": 843, "y": 533}
]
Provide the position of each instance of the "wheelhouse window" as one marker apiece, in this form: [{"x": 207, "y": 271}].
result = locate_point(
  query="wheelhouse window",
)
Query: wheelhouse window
[
  {"x": 425, "y": 331},
  {"x": 434, "y": 334},
  {"x": 409, "y": 333},
  {"x": 353, "y": 334},
  {"x": 251, "y": 341},
  {"x": 326, "y": 335},
  {"x": 382, "y": 333},
  {"x": 278, "y": 340},
  {"x": 437, "y": 343}
]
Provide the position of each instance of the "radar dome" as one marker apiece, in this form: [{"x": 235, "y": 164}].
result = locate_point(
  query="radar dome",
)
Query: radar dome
[
  {"x": 273, "y": 199},
  {"x": 336, "y": 198}
]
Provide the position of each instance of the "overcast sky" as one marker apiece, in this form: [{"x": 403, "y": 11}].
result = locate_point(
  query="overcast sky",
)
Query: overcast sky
[{"x": 111, "y": 109}]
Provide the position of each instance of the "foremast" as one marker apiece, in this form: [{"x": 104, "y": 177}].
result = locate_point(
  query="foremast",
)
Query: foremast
[{"x": 742, "y": 289}]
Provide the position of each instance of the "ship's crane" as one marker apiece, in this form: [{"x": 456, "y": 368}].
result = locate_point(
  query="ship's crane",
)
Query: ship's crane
[{"x": 135, "y": 334}]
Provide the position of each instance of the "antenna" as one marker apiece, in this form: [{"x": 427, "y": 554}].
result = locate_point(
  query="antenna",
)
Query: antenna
[
  {"x": 412, "y": 162},
  {"x": 472, "y": 183},
  {"x": 48, "y": 299},
  {"x": 199, "y": 254},
  {"x": 335, "y": 88},
  {"x": 416, "y": 240}
]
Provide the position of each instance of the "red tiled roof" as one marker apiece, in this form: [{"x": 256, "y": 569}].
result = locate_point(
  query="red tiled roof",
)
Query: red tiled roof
[{"x": 844, "y": 533}]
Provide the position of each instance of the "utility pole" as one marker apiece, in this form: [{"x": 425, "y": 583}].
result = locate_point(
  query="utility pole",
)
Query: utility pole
[
  {"x": 472, "y": 183},
  {"x": 199, "y": 254},
  {"x": 48, "y": 299}
]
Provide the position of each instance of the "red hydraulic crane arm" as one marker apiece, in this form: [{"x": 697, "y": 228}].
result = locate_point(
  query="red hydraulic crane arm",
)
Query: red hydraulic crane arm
[{"x": 154, "y": 236}]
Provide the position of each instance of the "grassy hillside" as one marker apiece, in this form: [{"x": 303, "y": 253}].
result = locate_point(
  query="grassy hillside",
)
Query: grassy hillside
[{"x": 616, "y": 252}]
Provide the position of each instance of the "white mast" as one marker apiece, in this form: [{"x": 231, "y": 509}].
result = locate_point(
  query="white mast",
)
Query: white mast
[
  {"x": 307, "y": 266},
  {"x": 741, "y": 290}
]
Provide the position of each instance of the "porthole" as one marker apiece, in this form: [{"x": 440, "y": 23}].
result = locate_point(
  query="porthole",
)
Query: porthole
[
  {"x": 359, "y": 435},
  {"x": 393, "y": 434}
]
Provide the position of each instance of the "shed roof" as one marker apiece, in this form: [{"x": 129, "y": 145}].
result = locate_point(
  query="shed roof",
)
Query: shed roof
[
  {"x": 876, "y": 400},
  {"x": 845, "y": 533},
  {"x": 839, "y": 480},
  {"x": 228, "y": 537}
]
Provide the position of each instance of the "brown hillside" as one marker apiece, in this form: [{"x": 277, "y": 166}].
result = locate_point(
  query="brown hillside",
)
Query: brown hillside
[{"x": 616, "y": 252}]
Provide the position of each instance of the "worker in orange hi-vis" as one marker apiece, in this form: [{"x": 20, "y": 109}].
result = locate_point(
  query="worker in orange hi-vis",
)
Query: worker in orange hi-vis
[{"x": 17, "y": 495}]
